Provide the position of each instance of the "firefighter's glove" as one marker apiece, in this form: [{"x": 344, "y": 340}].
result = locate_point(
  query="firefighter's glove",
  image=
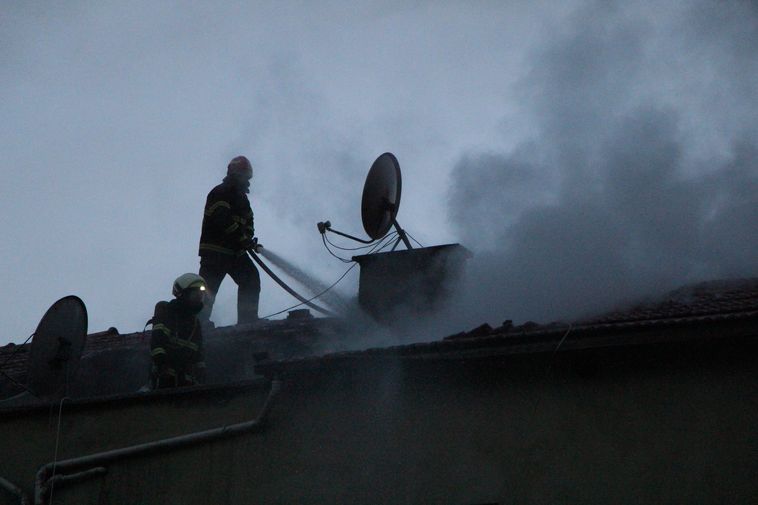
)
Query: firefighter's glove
[
  {"x": 253, "y": 245},
  {"x": 247, "y": 243}
]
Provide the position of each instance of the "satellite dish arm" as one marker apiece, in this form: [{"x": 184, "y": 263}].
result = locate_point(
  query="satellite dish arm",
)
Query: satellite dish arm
[
  {"x": 326, "y": 226},
  {"x": 401, "y": 234},
  {"x": 288, "y": 289}
]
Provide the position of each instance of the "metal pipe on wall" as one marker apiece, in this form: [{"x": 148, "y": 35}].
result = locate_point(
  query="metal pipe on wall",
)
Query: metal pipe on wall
[
  {"x": 14, "y": 489},
  {"x": 61, "y": 479},
  {"x": 44, "y": 475}
]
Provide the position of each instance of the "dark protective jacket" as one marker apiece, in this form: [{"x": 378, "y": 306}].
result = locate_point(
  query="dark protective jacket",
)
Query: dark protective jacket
[
  {"x": 227, "y": 223},
  {"x": 176, "y": 346}
]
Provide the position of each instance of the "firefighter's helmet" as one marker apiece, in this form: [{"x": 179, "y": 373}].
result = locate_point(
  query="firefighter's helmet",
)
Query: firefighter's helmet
[
  {"x": 188, "y": 281},
  {"x": 240, "y": 167}
]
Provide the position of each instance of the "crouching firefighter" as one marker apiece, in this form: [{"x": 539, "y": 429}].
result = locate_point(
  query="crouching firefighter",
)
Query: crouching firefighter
[
  {"x": 227, "y": 234},
  {"x": 176, "y": 344}
]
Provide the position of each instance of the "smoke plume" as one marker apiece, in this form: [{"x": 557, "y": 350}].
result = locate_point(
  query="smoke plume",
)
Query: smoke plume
[{"x": 642, "y": 174}]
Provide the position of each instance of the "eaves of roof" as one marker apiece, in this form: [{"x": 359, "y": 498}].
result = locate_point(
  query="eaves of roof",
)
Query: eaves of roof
[
  {"x": 215, "y": 391},
  {"x": 505, "y": 342}
]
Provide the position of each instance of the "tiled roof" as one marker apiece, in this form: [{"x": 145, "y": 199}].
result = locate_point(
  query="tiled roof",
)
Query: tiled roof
[
  {"x": 13, "y": 361},
  {"x": 700, "y": 307},
  {"x": 291, "y": 342},
  {"x": 717, "y": 297},
  {"x": 13, "y": 357},
  {"x": 282, "y": 338}
]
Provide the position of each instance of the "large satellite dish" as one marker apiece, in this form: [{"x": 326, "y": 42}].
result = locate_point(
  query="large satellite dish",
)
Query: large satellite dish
[
  {"x": 57, "y": 348},
  {"x": 381, "y": 196},
  {"x": 379, "y": 204},
  {"x": 396, "y": 284}
]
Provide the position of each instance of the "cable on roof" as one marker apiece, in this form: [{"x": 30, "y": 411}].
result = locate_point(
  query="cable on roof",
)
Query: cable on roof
[
  {"x": 379, "y": 246},
  {"x": 343, "y": 260},
  {"x": 18, "y": 348},
  {"x": 284, "y": 285},
  {"x": 348, "y": 248},
  {"x": 8, "y": 359},
  {"x": 313, "y": 298},
  {"x": 560, "y": 343},
  {"x": 414, "y": 239},
  {"x": 57, "y": 441},
  {"x": 550, "y": 364},
  {"x": 538, "y": 398},
  {"x": 387, "y": 240}
]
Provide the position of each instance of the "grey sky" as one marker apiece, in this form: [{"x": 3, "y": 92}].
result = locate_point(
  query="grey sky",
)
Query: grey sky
[{"x": 512, "y": 122}]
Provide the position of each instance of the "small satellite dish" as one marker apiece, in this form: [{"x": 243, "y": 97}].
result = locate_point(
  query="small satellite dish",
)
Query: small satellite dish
[
  {"x": 57, "y": 348},
  {"x": 381, "y": 196}
]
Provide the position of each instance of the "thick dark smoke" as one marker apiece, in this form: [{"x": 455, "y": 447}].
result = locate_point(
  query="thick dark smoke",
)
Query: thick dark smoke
[{"x": 643, "y": 173}]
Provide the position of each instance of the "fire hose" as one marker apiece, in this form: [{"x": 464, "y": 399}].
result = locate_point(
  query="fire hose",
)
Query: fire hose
[{"x": 259, "y": 261}]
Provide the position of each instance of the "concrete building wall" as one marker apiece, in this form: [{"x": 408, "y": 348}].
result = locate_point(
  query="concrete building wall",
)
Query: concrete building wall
[{"x": 615, "y": 427}]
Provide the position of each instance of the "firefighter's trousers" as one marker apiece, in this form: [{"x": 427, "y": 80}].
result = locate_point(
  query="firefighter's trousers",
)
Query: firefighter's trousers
[{"x": 242, "y": 270}]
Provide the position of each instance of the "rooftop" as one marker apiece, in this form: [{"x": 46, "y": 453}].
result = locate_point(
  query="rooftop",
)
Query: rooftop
[
  {"x": 722, "y": 309},
  {"x": 239, "y": 353}
]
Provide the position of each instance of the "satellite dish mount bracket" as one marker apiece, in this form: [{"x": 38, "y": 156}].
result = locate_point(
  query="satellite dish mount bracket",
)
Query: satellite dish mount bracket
[
  {"x": 326, "y": 226},
  {"x": 401, "y": 236}
]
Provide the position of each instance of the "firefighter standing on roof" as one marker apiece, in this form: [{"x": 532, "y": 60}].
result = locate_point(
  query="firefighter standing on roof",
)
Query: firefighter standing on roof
[
  {"x": 227, "y": 234},
  {"x": 176, "y": 343}
]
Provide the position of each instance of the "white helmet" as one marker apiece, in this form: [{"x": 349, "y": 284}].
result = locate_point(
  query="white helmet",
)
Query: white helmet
[{"x": 188, "y": 281}]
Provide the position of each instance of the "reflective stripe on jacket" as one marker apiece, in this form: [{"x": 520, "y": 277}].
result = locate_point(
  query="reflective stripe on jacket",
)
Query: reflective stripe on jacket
[
  {"x": 227, "y": 221},
  {"x": 176, "y": 342}
]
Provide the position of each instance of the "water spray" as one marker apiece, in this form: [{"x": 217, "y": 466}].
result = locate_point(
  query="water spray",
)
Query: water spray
[
  {"x": 314, "y": 285},
  {"x": 253, "y": 254}
]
